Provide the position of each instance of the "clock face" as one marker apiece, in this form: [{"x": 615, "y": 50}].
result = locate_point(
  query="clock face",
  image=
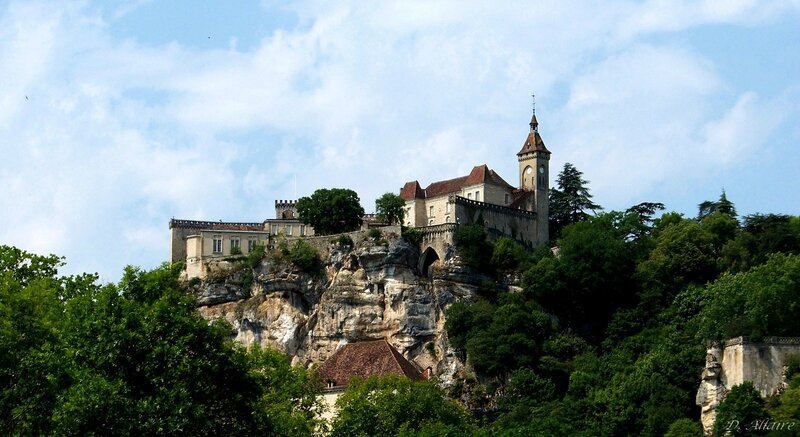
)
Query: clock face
[
  {"x": 528, "y": 170},
  {"x": 541, "y": 169}
]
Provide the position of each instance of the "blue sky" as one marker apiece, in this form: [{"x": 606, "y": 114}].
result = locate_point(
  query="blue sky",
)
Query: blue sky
[{"x": 116, "y": 116}]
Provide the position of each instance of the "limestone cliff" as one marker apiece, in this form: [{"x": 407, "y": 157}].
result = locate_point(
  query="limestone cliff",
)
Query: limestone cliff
[{"x": 369, "y": 291}]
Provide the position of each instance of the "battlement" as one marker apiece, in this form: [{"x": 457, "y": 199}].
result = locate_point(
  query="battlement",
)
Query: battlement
[
  {"x": 458, "y": 200},
  {"x": 220, "y": 225},
  {"x": 285, "y": 203}
]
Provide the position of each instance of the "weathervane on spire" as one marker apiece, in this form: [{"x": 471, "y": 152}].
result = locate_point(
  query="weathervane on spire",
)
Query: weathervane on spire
[{"x": 534, "y": 123}]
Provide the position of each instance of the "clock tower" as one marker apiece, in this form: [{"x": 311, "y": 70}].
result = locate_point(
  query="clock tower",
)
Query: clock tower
[{"x": 534, "y": 177}]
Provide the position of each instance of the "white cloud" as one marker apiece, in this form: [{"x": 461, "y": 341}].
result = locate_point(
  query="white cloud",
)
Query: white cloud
[{"x": 118, "y": 136}]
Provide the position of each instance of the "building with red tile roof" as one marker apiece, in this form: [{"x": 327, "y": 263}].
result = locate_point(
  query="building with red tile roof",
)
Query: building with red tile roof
[
  {"x": 364, "y": 359},
  {"x": 483, "y": 195}
]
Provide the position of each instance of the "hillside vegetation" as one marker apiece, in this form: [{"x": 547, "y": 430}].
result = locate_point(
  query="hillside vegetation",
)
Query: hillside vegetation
[{"x": 605, "y": 335}]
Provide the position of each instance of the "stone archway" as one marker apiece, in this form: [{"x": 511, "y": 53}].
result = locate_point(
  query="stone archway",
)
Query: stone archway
[{"x": 429, "y": 256}]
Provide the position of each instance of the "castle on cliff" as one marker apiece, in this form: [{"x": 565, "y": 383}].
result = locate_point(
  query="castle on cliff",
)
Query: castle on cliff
[
  {"x": 484, "y": 197},
  {"x": 481, "y": 197}
]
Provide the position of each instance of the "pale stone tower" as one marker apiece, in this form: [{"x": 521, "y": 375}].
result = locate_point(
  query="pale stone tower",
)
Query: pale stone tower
[{"x": 534, "y": 176}]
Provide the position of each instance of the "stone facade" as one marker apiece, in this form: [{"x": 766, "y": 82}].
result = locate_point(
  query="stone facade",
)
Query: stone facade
[
  {"x": 521, "y": 213},
  {"x": 740, "y": 360}
]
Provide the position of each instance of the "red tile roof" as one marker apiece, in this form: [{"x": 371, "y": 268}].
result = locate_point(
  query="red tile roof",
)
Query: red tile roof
[
  {"x": 479, "y": 174},
  {"x": 365, "y": 359},
  {"x": 411, "y": 190}
]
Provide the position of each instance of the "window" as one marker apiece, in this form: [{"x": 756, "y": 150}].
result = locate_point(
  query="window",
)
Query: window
[
  {"x": 430, "y": 222},
  {"x": 477, "y": 195},
  {"x": 251, "y": 243},
  {"x": 302, "y": 230},
  {"x": 447, "y": 208},
  {"x": 236, "y": 243},
  {"x": 447, "y": 219},
  {"x": 288, "y": 230},
  {"x": 274, "y": 229},
  {"x": 216, "y": 244},
  {"x": 431, "y": 211},
  {"x": 469, "y": 196}
]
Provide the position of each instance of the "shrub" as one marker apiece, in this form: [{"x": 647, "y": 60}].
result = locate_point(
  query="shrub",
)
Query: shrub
[
  {"x": 375, "y": 234},
  {"x": 740, "y": 409},
  {"x": 305, "y": 257},
  {"x": 474, "y": 248},
  {"x": 412, "y": 235},
  {"x": 255, "y": 255},
  {"x": 236, "y": 250},
  {"x": 344, "y": 240}
]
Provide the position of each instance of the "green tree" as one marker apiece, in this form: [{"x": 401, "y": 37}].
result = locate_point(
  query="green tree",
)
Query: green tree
[
  {"x": 685, "y": 427},
  {"x": 508, "y": 255},
  {"x": 569, "y": 202},
  {"x": 683, "y": 255},
  {"x": 331, "y": 211},
  {"x": 389, "y": 208},
  {"x": 762, "y": 301},
  {"x": 473, "y": 246},
  {"x": 739, "y": 411},
  {"x": 722, "y": 206},
  {"x": 393, "y": 405}
]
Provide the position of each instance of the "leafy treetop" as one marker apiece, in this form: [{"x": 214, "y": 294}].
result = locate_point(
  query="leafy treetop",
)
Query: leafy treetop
[
  {"x": 389, "y": 208},
  {"x": 331, "y": 211},
  {"x": 569, "y": 202}
]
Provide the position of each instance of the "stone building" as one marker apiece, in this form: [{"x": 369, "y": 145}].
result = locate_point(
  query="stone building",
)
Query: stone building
[
  {"x": 197, "y": 242},
  {"x": 483, "y": 195}
]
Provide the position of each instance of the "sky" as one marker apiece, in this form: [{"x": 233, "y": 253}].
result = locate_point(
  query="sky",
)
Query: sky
[{"x": 116, "y": 116}]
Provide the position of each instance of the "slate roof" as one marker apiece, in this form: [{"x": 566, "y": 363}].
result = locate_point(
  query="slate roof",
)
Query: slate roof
[
  {"x": 365, "y": 359},
  {"x": 479, "y": 174},
  {"x": 533, "y": 143}
]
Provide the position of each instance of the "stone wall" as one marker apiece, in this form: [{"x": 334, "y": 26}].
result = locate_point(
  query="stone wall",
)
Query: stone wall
[
  {"x": 740, "y": 360},
  {"x": 499, "y": 220}
]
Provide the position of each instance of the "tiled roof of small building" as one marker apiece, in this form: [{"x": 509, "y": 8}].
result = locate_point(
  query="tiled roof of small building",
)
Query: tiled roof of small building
[
  {"x": 411, "y": 190},
  {"x": 479, "y": 174},
  {"x": 365, "y": 359}
]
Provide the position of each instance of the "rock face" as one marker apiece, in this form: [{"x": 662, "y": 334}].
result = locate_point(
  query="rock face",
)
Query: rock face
[
  {"x": 371, "y": 291},
  {"x": 740, "y": 360}
]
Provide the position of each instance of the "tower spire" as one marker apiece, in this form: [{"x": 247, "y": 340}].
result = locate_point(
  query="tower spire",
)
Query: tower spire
[{"x": 534, "y": 122}]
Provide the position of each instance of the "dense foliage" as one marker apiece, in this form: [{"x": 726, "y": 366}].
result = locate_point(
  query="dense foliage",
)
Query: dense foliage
[
  {"x": 331, "y": 211},
  {"x": 607, "y": 336},
  {"x": 604, "y": 336},
  {"x": 393, "y": 405},
  {"x": 77, "y": 358}
]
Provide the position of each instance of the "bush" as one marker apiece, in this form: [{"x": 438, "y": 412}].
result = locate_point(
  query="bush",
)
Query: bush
[
  {"x": 305, "y": 257},
  {"x": 412, "y": 235},
  {"x": 236, "y": 250},
  {"x": 685, "y": 428},
  {"x": 739, "y": 410},
  {"x": 375, "y": 234},
  {"x": 345, "y": 240},
  {"x": 255, "y": 255},
  {"x": 508, "y": 255},
  {"x": 473, "y": 246}
]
